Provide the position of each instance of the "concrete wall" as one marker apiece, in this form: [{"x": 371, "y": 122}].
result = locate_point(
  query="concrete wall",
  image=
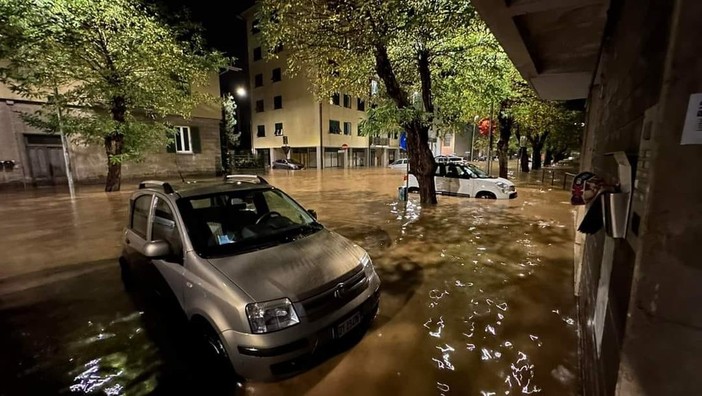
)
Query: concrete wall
[
  {"x": 652, "y": 340},
  {"x": 89, "y": 162}
]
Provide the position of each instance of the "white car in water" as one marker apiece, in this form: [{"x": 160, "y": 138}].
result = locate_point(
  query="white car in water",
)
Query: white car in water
[
  {"x": 467, "y": 181},
  {"x": 400, "y": 164}
]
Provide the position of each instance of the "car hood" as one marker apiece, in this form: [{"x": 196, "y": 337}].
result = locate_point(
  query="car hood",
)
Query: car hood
[
  {"x": 294, "y": 269},
  {"x": 495, "y": 180}
]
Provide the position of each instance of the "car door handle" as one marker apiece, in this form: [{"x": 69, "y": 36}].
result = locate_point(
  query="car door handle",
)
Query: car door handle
[{"x": 189, "y": 285}]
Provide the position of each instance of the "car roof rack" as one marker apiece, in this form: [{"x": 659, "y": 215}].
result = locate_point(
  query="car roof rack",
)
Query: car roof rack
[
  {"x": 245, "y": 178},
  {"x": 167, "y": 188}
]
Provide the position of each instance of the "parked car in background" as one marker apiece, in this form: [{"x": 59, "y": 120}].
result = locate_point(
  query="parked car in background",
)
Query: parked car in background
[
  {"x": 449, "y": 159},
  {"x": 262, "y": 283},
  {"x": 400, "y": 164},
  {"x": 287, "y": 164},
  {"x": 467, "y": 181}
]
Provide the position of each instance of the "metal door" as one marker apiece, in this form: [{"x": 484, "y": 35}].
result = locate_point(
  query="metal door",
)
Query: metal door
[{"x": 46, "y": 159}]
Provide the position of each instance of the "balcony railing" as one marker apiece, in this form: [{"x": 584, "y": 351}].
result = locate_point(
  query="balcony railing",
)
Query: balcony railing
[{"x": 379, "y": 141}]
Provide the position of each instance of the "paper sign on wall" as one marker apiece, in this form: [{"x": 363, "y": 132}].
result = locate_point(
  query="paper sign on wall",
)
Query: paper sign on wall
[{"x": 692, "y": 132}]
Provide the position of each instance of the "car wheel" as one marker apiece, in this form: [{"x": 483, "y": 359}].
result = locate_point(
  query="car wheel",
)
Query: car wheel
[
  {"x": 211, "y": 350},
  {"x": 126, "y": 274},
  {"x": 486, "y": 195}
]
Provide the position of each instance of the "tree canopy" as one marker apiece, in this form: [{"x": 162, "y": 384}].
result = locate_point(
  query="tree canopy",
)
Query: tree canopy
[
  {"x": 113, "y": 66},
  {"x": 430, "y": 58}
]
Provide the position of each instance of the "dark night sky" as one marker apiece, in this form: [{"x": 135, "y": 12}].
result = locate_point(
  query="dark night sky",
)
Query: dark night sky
[{"x": 224, "y": 30}]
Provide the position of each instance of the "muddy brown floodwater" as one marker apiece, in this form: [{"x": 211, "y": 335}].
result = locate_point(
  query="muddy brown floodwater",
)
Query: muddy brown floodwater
[{"x": 476, "y": 297}]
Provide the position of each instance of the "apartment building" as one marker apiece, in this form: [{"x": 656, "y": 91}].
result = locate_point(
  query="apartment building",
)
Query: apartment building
[{"x": 287, "y": 121}]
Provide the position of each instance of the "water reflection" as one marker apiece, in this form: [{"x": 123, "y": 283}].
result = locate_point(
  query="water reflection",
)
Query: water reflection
[{"x": 476, "y": 299}]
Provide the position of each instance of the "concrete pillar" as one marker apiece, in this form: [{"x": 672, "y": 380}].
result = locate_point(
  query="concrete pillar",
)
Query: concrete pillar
[
  {"x": 347, "y": 158},
  {"x": 320, "y": 157},
  {"x": 271, "y": 152}
]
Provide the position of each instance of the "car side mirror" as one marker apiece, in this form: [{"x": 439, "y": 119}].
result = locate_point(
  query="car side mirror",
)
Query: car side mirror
[
  {"x": 312, "y": 213},
  {"x": 157, "y": 249}
]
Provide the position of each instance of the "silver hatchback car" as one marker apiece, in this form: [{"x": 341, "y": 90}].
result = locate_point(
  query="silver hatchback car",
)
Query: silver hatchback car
[{"x": 264, "y": 283}]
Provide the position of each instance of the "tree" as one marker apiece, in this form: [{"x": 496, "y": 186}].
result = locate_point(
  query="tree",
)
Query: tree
[
  {"x": 117, "y": 70},
  {"x": 538, "y": 119},
  {"x": 405, "y": 45},
  {"x": 566, "y": 137}
]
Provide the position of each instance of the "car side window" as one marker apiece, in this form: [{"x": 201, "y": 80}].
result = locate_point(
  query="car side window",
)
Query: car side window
[
  {"x": 140, "y": 215},
  {"x": 164, "y": 227},
  {"x": 451, "y": 171}
]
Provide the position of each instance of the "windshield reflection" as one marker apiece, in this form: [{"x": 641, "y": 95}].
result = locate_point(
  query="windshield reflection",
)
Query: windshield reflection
[{"x": 226, "y": 222}]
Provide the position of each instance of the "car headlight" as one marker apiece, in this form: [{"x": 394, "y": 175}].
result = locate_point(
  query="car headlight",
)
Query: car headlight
[
  {"x": 504, "y": 187},
  {"x": 265, "y": 317},
  {"x": 367, "y": 265}
]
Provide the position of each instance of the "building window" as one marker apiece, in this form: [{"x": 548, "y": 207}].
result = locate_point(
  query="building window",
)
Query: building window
[
  {"x": 347, "y": 101},
  {"x": 347, "y": 128},
  {"x": 257, "y": 54},
  {"x": 183, "y": 143},
  {"x": 334, "y": 127},
  {"x": 258, "y": 80},
  {"x": 278, "y": 129},
  {"x": 259, "y": 106},
  {"x": 261, "y": 131},
  {"x": 277, "y": 75},
  {"x": 278, "y": 102},
  {"x": 360, "y": 104},
  {"x": 278, "y": 48},
  {"x": 254, "y": 26},
  {"x": 335, "y": 99}
]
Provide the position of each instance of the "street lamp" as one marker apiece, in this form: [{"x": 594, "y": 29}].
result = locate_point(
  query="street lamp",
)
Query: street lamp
[
  {"x": 472, "y": 138},
  {"x": 241, "y": 92}
]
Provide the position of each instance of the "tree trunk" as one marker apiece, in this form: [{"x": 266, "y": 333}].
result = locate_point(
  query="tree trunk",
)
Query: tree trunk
[
  {"x": 536, "y": 156},
  {"x": 548, "y": 160},
  {"x": 505, "y": 123},
  {"x": 524, "y": 159},
  {"x": 422, "y": 164},
  {"x": 114, "y": 146}
]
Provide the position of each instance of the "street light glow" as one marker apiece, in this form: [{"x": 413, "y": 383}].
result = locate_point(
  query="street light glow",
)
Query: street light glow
[{"x": 241, "y": 92}]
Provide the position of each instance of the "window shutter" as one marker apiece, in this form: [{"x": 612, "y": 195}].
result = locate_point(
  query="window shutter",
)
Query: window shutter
[
  {"x": 195, "y": 139},
  {"x": 171, "y": 146}
]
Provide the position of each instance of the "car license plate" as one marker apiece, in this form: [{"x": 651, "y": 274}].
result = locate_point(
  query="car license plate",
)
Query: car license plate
[{"x": 346, "y": 326}]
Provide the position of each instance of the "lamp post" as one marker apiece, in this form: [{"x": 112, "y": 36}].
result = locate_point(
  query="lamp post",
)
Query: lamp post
[
  {"x": 240, "y": 93},
  {"x": 472, "y": 138}
]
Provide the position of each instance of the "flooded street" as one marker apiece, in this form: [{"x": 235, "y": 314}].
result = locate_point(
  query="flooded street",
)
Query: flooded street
[{"x": 476, "y": 296}]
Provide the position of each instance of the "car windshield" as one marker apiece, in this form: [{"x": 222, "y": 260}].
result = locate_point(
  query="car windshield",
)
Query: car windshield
[
  {"x": 477, "y": 172},
  {"x": 225, "y": 223}
]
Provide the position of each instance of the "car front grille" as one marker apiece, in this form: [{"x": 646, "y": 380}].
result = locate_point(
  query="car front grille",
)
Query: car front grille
[{"x": 340, "y": 292}]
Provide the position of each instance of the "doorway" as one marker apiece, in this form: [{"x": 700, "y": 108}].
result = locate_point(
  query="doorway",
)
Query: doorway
[{"x": 45, "y": 159}]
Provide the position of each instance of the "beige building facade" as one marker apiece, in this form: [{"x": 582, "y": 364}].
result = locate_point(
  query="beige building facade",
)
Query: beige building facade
[
  {"x": 287, "y": 121},
  {"x": 31, "y": 157}
]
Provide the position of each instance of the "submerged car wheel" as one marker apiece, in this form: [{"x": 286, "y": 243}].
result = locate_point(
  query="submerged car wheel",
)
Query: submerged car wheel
[
  {"x": 211, "y": 350},
  {"x": 126, "y": 274},
  {"x": 485, "y": 195}
]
